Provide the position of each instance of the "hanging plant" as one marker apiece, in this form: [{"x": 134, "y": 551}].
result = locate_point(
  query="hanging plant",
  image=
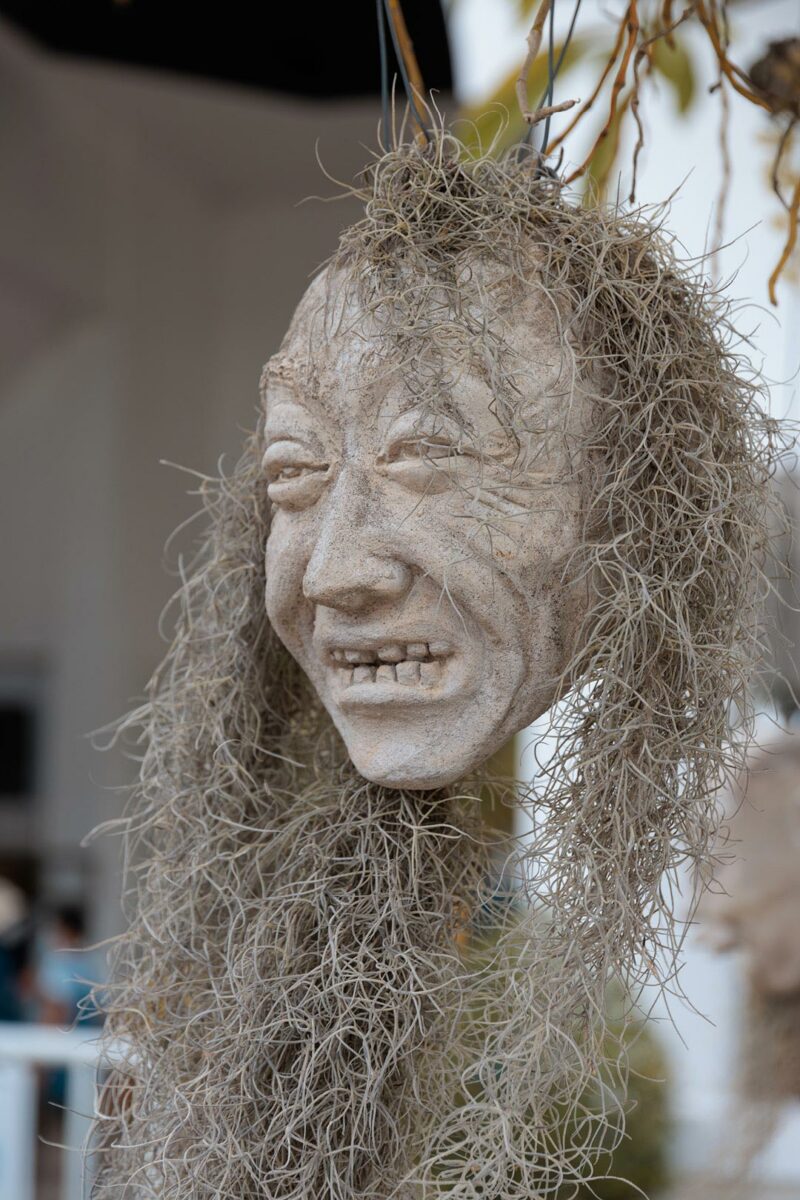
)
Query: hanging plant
[{"x": 510, "y": 459}]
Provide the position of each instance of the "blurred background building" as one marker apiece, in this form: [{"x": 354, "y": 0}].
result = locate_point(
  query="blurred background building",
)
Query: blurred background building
[
  {"x": 153, "y": 245},
  {"x": 152, "y": 249}
]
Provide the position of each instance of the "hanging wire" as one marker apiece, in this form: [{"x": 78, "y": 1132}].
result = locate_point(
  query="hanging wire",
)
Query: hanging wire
[
  {"x": 567, "y": 39},
  {"x": 551, "y": 72},
  {"x": 401, "y": 61},
  {"x": 384, "y": 71},
  {"x": 553, "y": 69}
]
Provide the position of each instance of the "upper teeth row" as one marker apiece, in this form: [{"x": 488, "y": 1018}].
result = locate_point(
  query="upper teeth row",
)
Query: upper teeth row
[{"x": 393, "y": 653}]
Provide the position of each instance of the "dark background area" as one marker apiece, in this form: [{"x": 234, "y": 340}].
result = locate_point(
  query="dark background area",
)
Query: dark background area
[{"x": 313, "y": 50}]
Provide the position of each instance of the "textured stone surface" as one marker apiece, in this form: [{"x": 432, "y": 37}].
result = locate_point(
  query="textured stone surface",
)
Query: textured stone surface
[{"x": 416, "y": 559}]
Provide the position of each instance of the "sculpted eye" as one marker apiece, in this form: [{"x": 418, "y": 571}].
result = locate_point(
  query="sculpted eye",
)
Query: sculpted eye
[
  {"x": 427, "y": 464},
  {"x": 424, "y": 447},
  {"x": 290, "y": 473},
  {"x": 295, "y": 475}
]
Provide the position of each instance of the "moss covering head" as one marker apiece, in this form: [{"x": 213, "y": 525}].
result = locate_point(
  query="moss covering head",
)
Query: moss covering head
[{"x": 293, "y": 985}]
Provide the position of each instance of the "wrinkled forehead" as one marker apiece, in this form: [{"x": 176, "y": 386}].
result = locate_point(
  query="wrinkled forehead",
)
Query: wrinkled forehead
[{"x": 489, "y": 346}]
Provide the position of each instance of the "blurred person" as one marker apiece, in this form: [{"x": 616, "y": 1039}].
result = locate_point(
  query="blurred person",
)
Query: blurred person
[
  {"x": 13, "y": 945},
  {"x": 65, "y": 970}
]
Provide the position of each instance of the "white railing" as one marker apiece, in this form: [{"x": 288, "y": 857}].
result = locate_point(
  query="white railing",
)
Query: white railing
[{"x": 24, "y": 1049}]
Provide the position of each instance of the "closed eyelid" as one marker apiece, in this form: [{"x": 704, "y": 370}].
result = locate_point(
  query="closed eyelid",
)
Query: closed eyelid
[
  {"x": 436, "y": 452},
  {"x": 289, "y": 421},
  {"x": 277, "y": 444},
  {"x": 295, "y": 443},
  {"x": 413, "y": 428},
  {"x": 458, "y": 444}
]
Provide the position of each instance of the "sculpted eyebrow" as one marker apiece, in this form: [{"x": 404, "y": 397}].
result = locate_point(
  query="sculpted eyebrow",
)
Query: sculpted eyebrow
[
  {"x": 285, "y": 427},
  {"x": 291, "y": 432},
  {"x": 280, "y": 370},
  {"x": 444, "y": 406}
]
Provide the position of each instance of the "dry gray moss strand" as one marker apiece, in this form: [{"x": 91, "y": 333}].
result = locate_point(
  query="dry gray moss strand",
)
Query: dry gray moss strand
[{"x": 302, "y": 1020}]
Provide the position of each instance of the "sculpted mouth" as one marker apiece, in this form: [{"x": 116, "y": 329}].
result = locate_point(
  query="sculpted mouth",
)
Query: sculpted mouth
[{"x": 408, "y": 666}]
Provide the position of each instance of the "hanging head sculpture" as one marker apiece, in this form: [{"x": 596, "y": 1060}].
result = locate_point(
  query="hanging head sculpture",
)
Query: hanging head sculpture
[
  {"x": 425, "y": 503},
  {"x": 507, "y": 455}
]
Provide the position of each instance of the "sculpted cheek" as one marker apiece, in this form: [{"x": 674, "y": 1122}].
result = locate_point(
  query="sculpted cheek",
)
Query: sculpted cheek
[
  {"x": 286, "y": 559},
  {"x": 552, "y": 525}
]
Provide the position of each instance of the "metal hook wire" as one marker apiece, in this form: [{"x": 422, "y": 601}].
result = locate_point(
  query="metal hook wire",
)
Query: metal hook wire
[
  {"x": 552, "y": 71},
  {"x": 404, "y": 74},
  {"x": 551, "y": 74},
  {"x": 384, "y": 71}
]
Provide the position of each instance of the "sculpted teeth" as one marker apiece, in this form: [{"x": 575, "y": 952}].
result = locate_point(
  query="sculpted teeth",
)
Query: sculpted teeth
[
  {"x": 430, "y": 673},
  {"x": 393, "y": 652},
  {"x": 407, "y": 672},
  {"x": 418, "y": 663}
]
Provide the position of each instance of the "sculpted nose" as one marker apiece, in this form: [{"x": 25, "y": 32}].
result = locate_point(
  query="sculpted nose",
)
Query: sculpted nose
[
  {"x": 352, "y": 587},
  {"x": 349, "y": 568}
]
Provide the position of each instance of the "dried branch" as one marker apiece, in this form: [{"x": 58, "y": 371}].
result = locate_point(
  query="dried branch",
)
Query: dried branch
[
  {"x": 791, "y": 242},
  {"x": 636, "y": 43},
  {"x": 667, "y": 23},
  {"x": 735, "y": 76},
  {"x": 724, "y": 185},
  {"x": 541, "y": 114},
  {"x": 631, "y": 24},
  {"x": 724, "y": 144},
  {"x": 584, "y": 109},
  {"x": 783, "y": 144},
  {"x": 534, "y": 42},
  {"x": 614, "y": 133},
  {"x": 405, "y": 48},
  {"x": 646, "y": 51},
  {"x": 643, "y": 52}
]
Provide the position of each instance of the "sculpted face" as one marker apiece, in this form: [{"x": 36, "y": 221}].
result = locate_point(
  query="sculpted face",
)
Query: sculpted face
[{"x": 417, "y": 546}]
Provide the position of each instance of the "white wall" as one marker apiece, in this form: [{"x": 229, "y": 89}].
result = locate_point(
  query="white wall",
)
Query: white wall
[{"x": 151, "y": 252}]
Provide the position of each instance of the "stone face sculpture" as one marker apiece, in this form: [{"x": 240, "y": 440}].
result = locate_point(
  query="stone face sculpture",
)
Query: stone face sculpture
[
  {"x": 507, "y": 454},
  {"x": 416, "y": 555}
]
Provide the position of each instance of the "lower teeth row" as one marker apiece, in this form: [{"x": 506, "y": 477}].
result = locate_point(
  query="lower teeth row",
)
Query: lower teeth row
[{"x": 409, "y": 671}]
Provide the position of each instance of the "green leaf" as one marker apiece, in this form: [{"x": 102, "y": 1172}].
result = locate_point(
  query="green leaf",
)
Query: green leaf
[{"x": 676, "y": 65}]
